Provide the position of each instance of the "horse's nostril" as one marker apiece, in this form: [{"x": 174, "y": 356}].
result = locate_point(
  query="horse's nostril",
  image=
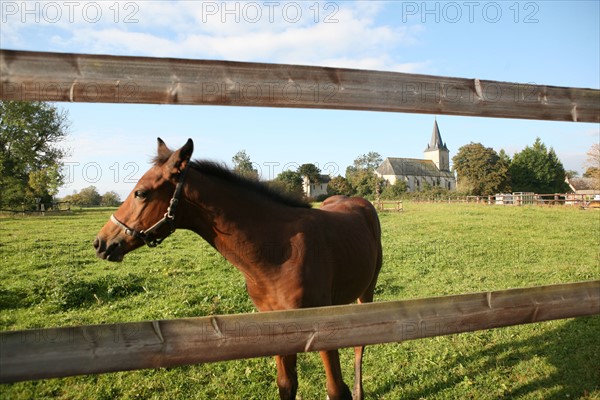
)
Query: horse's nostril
[{"x": 98, "y": 245}]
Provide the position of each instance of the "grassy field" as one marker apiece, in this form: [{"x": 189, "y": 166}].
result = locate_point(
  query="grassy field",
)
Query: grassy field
[{"x": 51, "y": 277}]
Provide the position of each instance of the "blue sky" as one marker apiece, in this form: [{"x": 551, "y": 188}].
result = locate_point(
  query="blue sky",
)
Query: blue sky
[{"x": 541, "y": 42}]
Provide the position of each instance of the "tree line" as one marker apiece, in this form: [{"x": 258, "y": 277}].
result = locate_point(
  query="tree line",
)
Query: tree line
[
  {"x": 360, "y": 178},
  {"x": 536, "y": 168},
  {"x": 481, "y": 170},
  {"x": 90, "y": 196},
  {"x": 31, "y": 159},
  {"x": 30, "y": 152}
]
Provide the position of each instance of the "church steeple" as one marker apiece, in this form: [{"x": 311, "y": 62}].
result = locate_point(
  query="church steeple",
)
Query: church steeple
[
  {"x": 436, "y": 142},
  {"x": 437, "y": 151}
]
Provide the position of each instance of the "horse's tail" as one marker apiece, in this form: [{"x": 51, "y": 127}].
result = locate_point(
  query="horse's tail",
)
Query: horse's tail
[
  {"x": 373, "y": 219},
  {"x": 377, "y": 230},
  {"x": 375, "y": 226}
]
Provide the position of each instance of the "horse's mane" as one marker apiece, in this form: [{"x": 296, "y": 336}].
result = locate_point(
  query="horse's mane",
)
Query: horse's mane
[{"x": 222, "y": 172}]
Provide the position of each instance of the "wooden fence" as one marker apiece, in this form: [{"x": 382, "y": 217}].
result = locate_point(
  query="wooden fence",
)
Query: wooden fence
[
  {"x": 57, "y": 352},
  {"x": 35, "y": 76},
  {"x": 44, "y": 353}
]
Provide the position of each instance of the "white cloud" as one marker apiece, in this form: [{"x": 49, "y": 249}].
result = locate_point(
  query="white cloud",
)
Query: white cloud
[
  {"x": 381, "y": 63},
  {"x": 594, "y": 133},
  {"x": 326, "y": 33},
  {"x": 572, "y": 160}
]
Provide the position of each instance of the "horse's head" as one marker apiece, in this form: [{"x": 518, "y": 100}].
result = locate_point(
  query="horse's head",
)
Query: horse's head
[{"x": 148, "y": 215}]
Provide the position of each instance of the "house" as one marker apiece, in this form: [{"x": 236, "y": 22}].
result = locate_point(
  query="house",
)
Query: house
[
  {"x": 433, "y": 170},
  {"x": 583, "y": 190},
  {"x": 585, "y": 186},
  {"x": 314, "y": 190}
]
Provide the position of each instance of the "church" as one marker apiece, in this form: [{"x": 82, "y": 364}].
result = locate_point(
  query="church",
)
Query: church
[{"x": 432, "y": 171}]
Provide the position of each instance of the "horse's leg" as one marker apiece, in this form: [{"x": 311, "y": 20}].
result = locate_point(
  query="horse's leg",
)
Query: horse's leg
[
  {"x": 287, "y": 377},
  {"x": 336, "y": 388},
  {"x": 367, "y": 297},
  {"x": 357, "y": 393}
]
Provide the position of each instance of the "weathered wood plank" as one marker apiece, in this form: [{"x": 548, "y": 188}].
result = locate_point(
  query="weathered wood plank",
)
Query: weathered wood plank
[
  {"x": 33, "y": 76},
  {"x": 57, "y": 352}
]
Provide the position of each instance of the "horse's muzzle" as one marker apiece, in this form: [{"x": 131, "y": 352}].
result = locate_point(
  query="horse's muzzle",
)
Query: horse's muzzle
[{"x": 108, "y": 251}]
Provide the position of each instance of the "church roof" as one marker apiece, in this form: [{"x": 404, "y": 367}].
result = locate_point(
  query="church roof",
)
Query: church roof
[
  {"x": 411, "y": 167},
  {"x": 436, "y": 142}
]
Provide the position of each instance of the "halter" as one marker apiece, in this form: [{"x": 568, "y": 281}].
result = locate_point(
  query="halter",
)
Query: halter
[{"x": 168, "y": 218}]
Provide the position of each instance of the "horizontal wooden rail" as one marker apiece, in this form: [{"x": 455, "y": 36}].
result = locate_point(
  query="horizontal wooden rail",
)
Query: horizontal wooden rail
[
  {"x": 57, "y": 352},
  {"x": 39, "y": 76}
]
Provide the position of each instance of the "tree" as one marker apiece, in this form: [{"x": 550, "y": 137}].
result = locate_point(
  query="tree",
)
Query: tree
[
  {"x": 290, "y": 183},
  {"x": 570, "y": 173},
  {"x": 44, "y": 183},
  {"x": 242, "y": 165},
  {"x": 591, "y": 172},
  {"x": 480, "y": 170},
  {"x": 361, "y": 174},
  {"x": 30, "y": 155},
  {"x": 395, "y": 191},
  {"x": 537, "y": 169},
  {"x": 311, "y": 171},
  {"x": 72, "y": 198},
  {"x": 504, "y": 157},
  {"x": 89, "y": 196},
  {"x": 593, "y": 165},
  {"x": 368, "y": 162},
  {"x": 339, "y": 185},
  {"x": 110, "y": 199}
]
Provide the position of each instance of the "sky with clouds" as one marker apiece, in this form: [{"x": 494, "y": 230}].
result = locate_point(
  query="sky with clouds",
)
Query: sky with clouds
[{"x": 542, "y": 42}]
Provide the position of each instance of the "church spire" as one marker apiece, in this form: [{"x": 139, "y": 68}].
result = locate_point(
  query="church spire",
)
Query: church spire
[
  {"x": 437, "y": 151},
  {"x": 436, "y": 142}
]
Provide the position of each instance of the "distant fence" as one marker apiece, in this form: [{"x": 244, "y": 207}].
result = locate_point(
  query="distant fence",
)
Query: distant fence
[
  {"x": 389, "y": 205},
  {"x": 43, "y": 209},
  {"x": 45, "y": 353},
  {"x": 37, "y": 208},
  {"x": 568, "y": 199}
]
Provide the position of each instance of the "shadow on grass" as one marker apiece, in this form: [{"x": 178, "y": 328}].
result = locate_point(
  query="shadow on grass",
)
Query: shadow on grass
[
  {"x": 72, "y": 293},
  {"x": 571, "y": 352},
  {"x": 572, "y": 349}
]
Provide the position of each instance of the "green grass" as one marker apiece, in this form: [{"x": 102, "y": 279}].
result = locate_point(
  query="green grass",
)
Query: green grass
[{"x": 51, "y": 277}]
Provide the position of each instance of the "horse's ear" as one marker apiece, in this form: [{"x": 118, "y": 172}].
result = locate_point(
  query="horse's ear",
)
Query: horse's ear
[
  {"x": 179, "y": 159},
  {"x": 163, "y": 152}
]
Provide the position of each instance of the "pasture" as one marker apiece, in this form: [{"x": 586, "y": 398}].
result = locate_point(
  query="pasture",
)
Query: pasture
[{"x": 51, "y": 277}]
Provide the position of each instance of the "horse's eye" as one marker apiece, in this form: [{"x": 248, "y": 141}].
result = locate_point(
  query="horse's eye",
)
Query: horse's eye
[{"x": 141, "y": 194}]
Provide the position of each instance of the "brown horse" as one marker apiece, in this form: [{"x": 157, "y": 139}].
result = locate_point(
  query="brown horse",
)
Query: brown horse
[{"x": 322, "y": 257}]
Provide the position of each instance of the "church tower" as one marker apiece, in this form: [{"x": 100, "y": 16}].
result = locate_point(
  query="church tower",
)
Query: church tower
[{"x": 437, "y": 151}]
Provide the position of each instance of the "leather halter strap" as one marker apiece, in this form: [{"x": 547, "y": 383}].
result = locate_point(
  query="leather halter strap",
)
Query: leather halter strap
[{"x": 168, "y": 219}]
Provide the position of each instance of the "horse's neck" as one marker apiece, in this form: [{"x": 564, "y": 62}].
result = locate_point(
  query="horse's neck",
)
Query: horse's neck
[{"x": 237, "y": 222}]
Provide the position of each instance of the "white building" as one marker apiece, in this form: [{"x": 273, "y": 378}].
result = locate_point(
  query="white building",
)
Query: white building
[
  {"x": 313, "y": 190},
  {"x": 433, "y": 170}
]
